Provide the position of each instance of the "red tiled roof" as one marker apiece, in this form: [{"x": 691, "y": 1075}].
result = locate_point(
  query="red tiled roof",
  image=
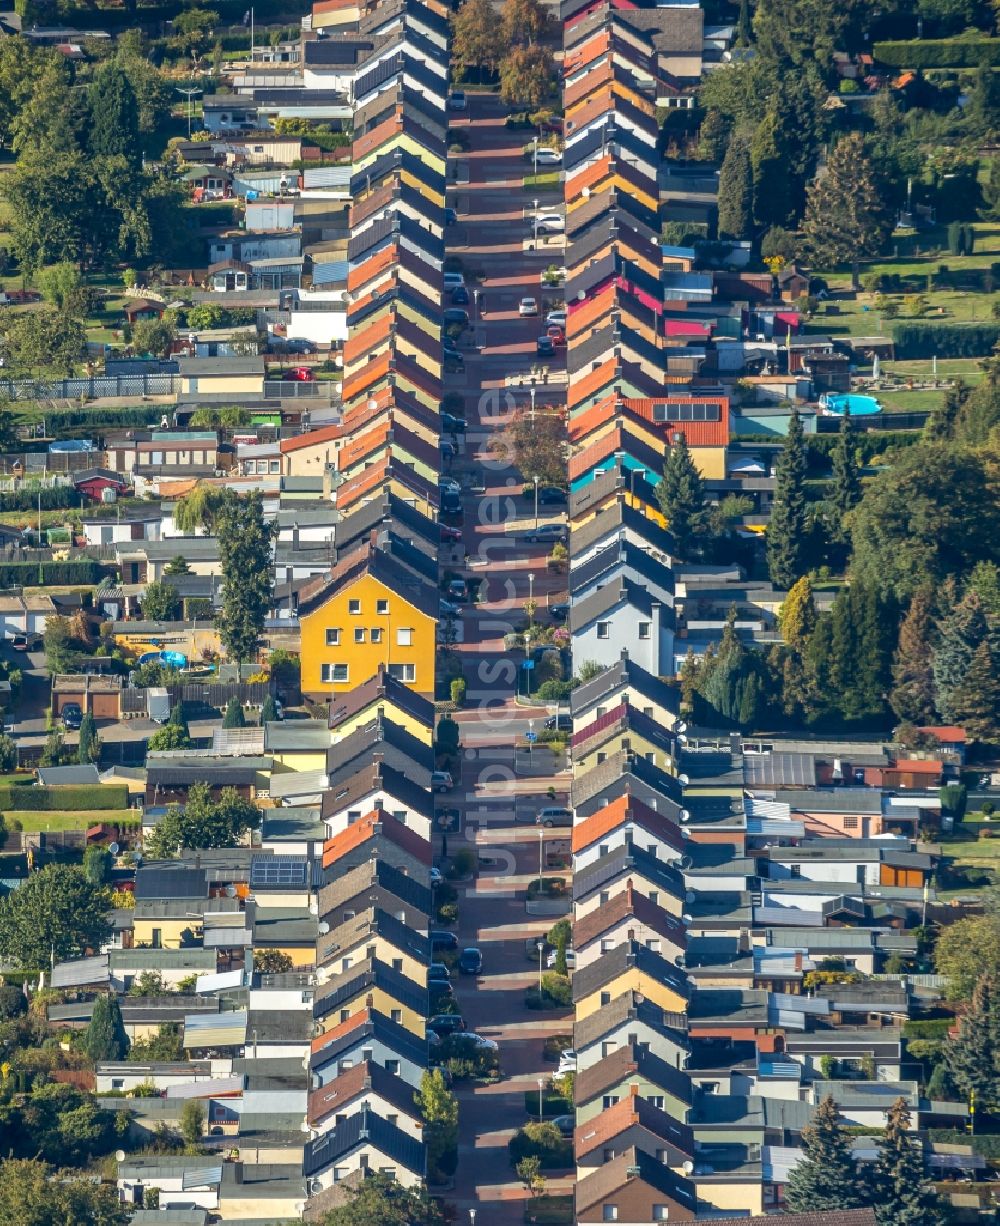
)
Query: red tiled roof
[
  {"x": 619, "y": 812},
  {"x": 325, "y": 434},
  {"x": 372, "y": 825},
  {"x": 946, "y": 734}
]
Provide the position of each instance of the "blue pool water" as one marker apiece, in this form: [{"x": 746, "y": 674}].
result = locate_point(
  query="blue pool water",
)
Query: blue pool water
[
  {"x": 172, "y": 659},
  {"x": 860, "y": 406}
]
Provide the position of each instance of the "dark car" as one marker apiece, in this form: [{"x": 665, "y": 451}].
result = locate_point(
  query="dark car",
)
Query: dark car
[
  {"x": 451, "y": 504},
  {"x": 455, "y": 316},
  {"x": 26, "y": 642},
  {"x": 564, "y": 723},
  {"x": 552, "y": 496},
  {"x": 545, "y": 346},
  {"x": 440, "y": 990},
  {"x": 452, "y": 424},
  {"x": 450, "y": 217},
  {"x": 72, "y": 715},
  {"x": 452, "y": 357},
  {"x": 460, "y": 296},
  {"x": 470, "y": 961},
  {"x": 446, "y": 1023},
  {"x": 559, "y": 612},
  {"x": 443, "y": 940}
]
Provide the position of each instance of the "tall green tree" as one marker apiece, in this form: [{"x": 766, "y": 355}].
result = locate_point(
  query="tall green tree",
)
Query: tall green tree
[
  {"x": 845, "y": 493},
  {"x": 731, "y": 682},
  {"x": 912, "y": 694},
  {"x": 105, "y": 1037},
  {"x": 89, "y": 748},
  {"x": 57, "y": 913},
  {"x": 234, "y": 717},
  {"x": 97, "y": 864},
  {"x": 826, "y": 1177},
  {"x": 991, "y": 193},
  {"x": 903, "y": 1196},
  {"x": 973, "y": 1056},
  {"x": 203, "y": 822},
  {"x": 797, "y": 616},
  {"x": 245, "y": 541},
  {"x": 846, "y": 214},
  {"x": 960, "y": 633},
  {"x": 736, "y": 189},
  {"x": 682, "y": 500},
  {"x": 787, "y": 550},
  {"x": 58, "y": 284},
  {"x": 160, "y": 602},
  {"x": 439, "y": 1109},
  {"x": 193, "y": 1124},
  {"x": 976, "y": 701},
  {"x": 42, "y": 342}
]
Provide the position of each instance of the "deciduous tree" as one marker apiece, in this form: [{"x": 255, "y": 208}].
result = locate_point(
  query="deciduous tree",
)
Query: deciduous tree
[
  {"x": 155, "y": 336},
  {"x": 966, "y": 950},
  {"x": 58, "y": 283},
  {"x": 45, "y": 341},
  {"x": 381, "y": 1199},
  {"x": 521, "y": 22},
  {"x": 160, "y": 602},
  {"x": 527, "y": 76},
  {"x": 476, "y": 38},
  {"x": 439, "y": 1109},
  {"x": 32, "y": 1195},
  {"x": 203, "y": 822},
  {"x": 57, "y": 913}
]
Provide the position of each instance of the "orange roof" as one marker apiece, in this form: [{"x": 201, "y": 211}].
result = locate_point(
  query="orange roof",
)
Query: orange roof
[
  {"x": 177, "y": 489},
  {"x": 918, "y": 766},
  {"x": 329, "y": 1036},
  {"x": 365, "y": 828},
  {"x": 946, "y": 734},
  {"x": 697, "y": 433},
  {"x": 620, "y": 812},
  {"x": 314, "y": 438}
]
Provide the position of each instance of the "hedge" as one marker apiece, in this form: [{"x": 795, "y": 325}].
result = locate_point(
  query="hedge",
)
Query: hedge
[
  {"x": 50, "y": 799},
  {"x": 52, "y": 498},
  {"x": 85, "y": 572},
  {"x": 867, "y": 443},
  {"x": 938, "y": 52},
  {"x": 987, "y": 1145},
  {"x": 944, "y": 340},
  {"x": 59, "y": 421}
]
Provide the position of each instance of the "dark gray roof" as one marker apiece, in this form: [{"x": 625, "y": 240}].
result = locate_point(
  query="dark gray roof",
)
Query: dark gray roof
[
  {"x": 163, "y": 879},
  {"x": 364, "y": 1128},
  {"x": 624, "y": 672},
  {"x": 620, "y": 863}
]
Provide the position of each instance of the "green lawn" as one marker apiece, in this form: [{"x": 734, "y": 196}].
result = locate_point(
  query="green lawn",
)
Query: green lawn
[
  {"x": 545, "y": 180},
  {"x": 34, "y": 822},
  {"x": 549, "y": 1210}
]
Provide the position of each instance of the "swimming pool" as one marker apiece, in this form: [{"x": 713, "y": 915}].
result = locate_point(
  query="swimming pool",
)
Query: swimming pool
[{"x": 860, "y": 406}]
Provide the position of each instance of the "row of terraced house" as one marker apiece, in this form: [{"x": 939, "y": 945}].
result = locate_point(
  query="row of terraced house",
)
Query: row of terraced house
[{"x": 710, "y": 877}]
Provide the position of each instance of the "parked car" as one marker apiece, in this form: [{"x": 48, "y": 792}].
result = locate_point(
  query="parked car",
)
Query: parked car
[
  {"x": 443, "y": 940},
  {"x": 481, "y": 1041},
  {"x": 545, "y": 156},
  {"x": 545, "y": 346},
  {"x": 566, "y": 1124},
  {"x": 26, "y": 642},
  {"x": 567, "y": 1062},
  {"x": 558, "y": 318},
  {"x": 457, "y": 589},
  {"x": 559, "y": 611},
  {"x": 300, "y": 374},
  {"x": 452, "y": 357},
  {"x": 546, "y": 532},
  {"x": 455, "y": 316},
  {"x": 450, "y": 609},
  {"x": 470, "y": 961},
  {"x": 446, "y": 1023},
  {"x": 457, "y": 101},
  {"x": 550, "y": 961},
  {"x": 438, "y": 970},
  {"x": 441, "y": 781},
  {"x": 553, "y": 815},
  {"x": 448, "y": 485},
  {"x": 453, "y": 424},
  {"x": 440, "y": 990},
  {"x": 459, "y": 296},
  {"x": 563, "y": 723},
  {"x": 527, "y": 306},
  {"x": 451, "y": 504},
  {"x": 551, "y": 223},
  {"x": 71, "y": 716},
  {"x": 556, "y": 333},
  {"x": 551, "y": 496},
  {"x": 452, "y": 280}
]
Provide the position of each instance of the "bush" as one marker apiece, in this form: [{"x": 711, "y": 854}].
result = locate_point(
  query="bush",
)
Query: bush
[
  {"x": 68, "y": 799},
  {"x": 952, "y": 797},
  {"x": 83, "y": 573},
  {"x": 54, "y": 498},
  {"x": 458, "y": 691},
  {"x": 463, "y": 863},
  {"x": 938, "y": 52},
  {"x": 554, "y": 691},
  {"x": 924, "y": 340},
  {"x": 542, "y": 1141},
  {"x": 556, "y": 993}
]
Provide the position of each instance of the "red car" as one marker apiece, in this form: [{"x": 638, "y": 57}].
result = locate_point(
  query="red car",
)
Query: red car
[
  {"x": 301, "y": 374},
  {"x": 556, "y": 333},
  {"x": 450, "y": 534}
]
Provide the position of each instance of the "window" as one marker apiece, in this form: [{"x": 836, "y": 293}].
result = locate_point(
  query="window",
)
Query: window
[
  {"x": 345, "y": 1015},
  {"x": 600, "y": 758},
  {"x": 397, "y": 964},
  {"x": 661, "y": 1213},
  {"x": 656, "y": 1100},
  {"x": 118, "y": 1083},
  {"x": 609, "y": 1155},
  {"x": 607, "y": 943},
  {"x": 366, "y": 1053},
  {"x": 353, "y": 815},
  {"x": 653, "y": 945},
  {"x": 603, "y": 849},
  {"x": 404, "y": 636},
  {"x": 339, "y": 1173},
  {"x": 388, "y": 1171},
  {"x": 610, "y": 1100},
  {"x": 334, "y": 672},
  {"x": 610, "y": 1213},
  {"x": 382, "y": 608},
  {"x": 654, "y": 897},
  {"x": 644, "y": 628},
  {"x": 605, "y": 998},
  {"x": 396, "y": 1015},
  {"x": 850, "y": 823},
  {"x": 354, "y": 606},
  {"x": 376, "y": 634},
  {"x": 403, "y": 672},
  {"x": 392, "y": 1066},
  {"x": 360, "y": 634},
  {"x": 604, "y": 632}
]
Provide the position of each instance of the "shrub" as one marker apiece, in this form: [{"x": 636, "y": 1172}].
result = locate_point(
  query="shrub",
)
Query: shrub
[
  {"x": 458, "y": 691},
  {"x": 938, "y": 52},
  {"x": 542, "y": 1141},
  {"x": 924, "y": 340},
  {"x": 463, "y": 863}
]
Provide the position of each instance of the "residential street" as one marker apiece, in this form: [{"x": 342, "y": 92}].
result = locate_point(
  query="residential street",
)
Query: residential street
[{"x": 503, "y": 786}]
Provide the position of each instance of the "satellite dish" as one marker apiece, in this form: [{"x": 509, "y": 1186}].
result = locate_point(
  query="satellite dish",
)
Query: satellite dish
[
  {"x": 323, "y": 928},
  {"x": 230, "y": 891},
  {"x": 688, "y": 1167},
  {"x": 689, "y": 895},
  {"x": 315, "y": 1187},
  {"x": 683, "y": 779},
  {"x": 684, "y": 815},
  {"x": 682, "y": 727},
  {"x": 114, "y": 849},
  {"x": 119, "y": 1155},
  {"x": 372, "y": 404}
]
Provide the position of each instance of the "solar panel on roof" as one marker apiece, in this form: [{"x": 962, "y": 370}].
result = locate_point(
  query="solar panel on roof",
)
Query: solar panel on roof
[{"x": 278, "y": 870}]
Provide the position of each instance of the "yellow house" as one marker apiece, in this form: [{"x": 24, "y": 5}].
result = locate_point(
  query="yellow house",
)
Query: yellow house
[
  {"x": 628, "y": 967},
  {"x": 222, "y": 376},
  {"x": 363, "y": 617},
  {"x": 379, "y": 936},
  {"x": 299, "y": 745},
  {"x": 374, "y": 985},
  {"x": 287, "y": 930},
  {"x": 382, "y": 696},
  {"x": 632, "y": 733}
]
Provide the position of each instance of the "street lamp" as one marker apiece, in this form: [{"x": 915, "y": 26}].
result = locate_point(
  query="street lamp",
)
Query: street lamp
[
  {"x": 534, "y": 221},
  {"x": 527, "y": 670},
  {"x": 531, "y": 584},
  {"x": 534, "y": 155},
  {"x": 472, "y": 1217},
  {"x": 189, "y": 94},
  {"x": 541, "y": 848},
  {"x": 531, "y": 393},
  {"x": 535, "y": 479},
  {"x": 541, "y": 1090}
]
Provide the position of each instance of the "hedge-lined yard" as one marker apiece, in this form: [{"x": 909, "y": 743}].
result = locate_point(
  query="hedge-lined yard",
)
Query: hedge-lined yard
[
  {"x": 59, "y": 820},
  {"x": 82, "y": 798},
  {"x": 938, "y": 52}
]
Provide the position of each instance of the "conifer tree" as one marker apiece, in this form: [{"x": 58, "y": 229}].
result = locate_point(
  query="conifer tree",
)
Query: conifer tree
[
  {"x": 234, "y": 717},
  {"x": 991, "y": 193},
  {"x": 846, "y": 492},
  {"x": 847, "y": 217},
  {"x": 826, "y": 1177},
  {"x": 268, "y": 711},
  {"x": 973, "y": 1058},
  {"x": 731, "y": 683},
  {"x": 245, "y": 541},
  {"x": 682, "y": 500},
  {"x": 786, "y": 534},
  {"x": 912, "y": 694},
  {"x": 105, "y": 1038},
  {"x": 797, "y": 617},
  {"x": 902, "y": 1195},
  {"x": 975, "y": 703},
  {"x": 736, "y": 189},
  {"x": 960, "y": 633},
  {"x": 89, "y": 749}
]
